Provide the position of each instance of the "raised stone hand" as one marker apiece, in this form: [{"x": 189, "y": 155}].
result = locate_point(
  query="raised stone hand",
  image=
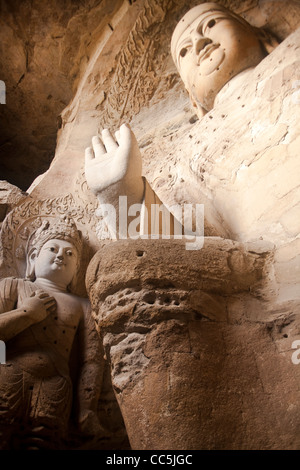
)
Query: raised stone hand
[
  {"x": 115, "y": 163},
  {"x": 39, "y": 305}
]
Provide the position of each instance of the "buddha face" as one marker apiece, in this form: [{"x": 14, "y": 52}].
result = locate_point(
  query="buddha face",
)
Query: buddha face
[
  {"x": 57, "y": 262},
  {"x": 210, "y": 45}
]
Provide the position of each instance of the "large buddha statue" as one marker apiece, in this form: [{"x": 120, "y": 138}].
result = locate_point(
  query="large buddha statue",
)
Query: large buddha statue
[
  {"x": 243, "y": 152},
  {"x": 211, "y": 47}
]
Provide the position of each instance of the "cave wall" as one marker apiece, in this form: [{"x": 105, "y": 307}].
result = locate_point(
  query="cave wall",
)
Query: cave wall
[{"x": 43, "y": 48}]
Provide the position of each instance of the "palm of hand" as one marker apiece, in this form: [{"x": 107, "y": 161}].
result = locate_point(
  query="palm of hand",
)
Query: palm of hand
[{"x": 112, "y": 161}]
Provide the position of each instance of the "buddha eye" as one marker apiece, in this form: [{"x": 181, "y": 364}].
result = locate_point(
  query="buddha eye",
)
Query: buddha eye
[
  {"x": 183, "y": 52},
  {"x": 69, "y": 253},
  {"x": 208, "y": 26},
  {"x": 52, "y": 249},
  {"x": 211, "y": 23}
]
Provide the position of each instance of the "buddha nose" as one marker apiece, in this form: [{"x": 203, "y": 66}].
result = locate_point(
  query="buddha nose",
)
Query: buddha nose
[
  {"x": 199, "y": 42},
  {"x": 60, "y": 254}
]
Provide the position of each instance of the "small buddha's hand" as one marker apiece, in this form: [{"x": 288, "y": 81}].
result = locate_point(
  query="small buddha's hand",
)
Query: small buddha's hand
[
  {"x": 115, "y": 163},
  {"x": 39, "y": 305}
]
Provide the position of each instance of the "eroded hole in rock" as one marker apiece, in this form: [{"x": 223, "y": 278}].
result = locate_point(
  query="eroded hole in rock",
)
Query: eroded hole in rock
[
  {"x": 140, "y": 253},
  {"x": 149, "y": 297}
]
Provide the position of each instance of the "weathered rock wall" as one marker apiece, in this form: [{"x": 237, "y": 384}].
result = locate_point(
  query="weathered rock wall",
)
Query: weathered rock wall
[
  {"x": 200, "y": 353},
  {"x": 44, "y": 49}
]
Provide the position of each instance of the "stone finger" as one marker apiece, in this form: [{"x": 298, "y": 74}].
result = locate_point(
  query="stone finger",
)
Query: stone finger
[
  {"x": 109, "y": 141},
  {"x": 98, "y": 146}
]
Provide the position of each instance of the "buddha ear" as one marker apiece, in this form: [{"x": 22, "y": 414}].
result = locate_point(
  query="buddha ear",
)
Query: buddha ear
[
  {"x": 30, "y": 266},
  {"x": 268, "y": 40}
]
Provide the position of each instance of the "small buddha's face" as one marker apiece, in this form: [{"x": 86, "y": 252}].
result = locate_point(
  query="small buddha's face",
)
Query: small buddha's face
[
  {"x": 57, "y": 262},
  {"x": 209, "y": 47}
]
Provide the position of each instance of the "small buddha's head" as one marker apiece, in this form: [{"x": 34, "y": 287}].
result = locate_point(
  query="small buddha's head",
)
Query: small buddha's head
[
  {"x": 54, "y": 252},
  {"x": 210, "y": 45}
]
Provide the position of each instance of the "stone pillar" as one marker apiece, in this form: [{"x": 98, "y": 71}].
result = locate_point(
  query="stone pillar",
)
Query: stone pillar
[{"x": 192, "y": 345}]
